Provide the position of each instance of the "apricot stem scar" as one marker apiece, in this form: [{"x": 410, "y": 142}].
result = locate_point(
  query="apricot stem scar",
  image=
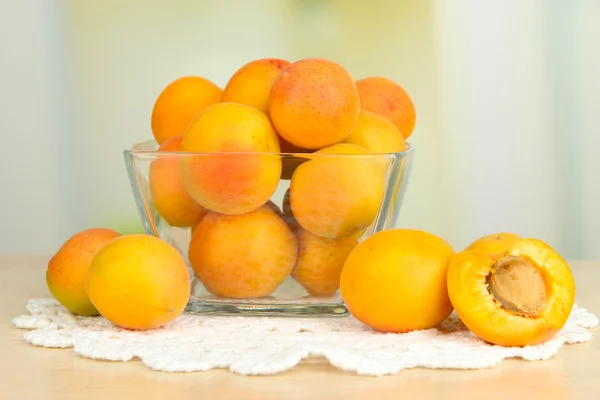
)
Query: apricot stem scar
[{"x": 517, "y": 285}]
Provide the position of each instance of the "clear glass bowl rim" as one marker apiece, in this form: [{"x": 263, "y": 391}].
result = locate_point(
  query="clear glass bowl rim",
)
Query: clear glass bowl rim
[{"x": 138, "y": 150}]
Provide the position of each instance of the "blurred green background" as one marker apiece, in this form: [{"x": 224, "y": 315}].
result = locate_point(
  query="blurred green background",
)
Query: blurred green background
[{"x": 506, "y": 94}]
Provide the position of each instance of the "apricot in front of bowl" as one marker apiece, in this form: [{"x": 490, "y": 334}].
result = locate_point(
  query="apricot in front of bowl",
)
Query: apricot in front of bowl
[
  {"x": 65, "y": 275},
  {"x": 320, "y": 262},
  {"x": 243, "y": 256},
  {"x": 314, "y": 103},
  {"x": 335, "y": 195},
  {"x": 385, "y": 97},
  {"x": 179, "y": 103},
  {"x": 138, "y": 282},
  {"x": 231, "y": 183},
  {"x": 395, "y": 280},
  {"x": 522, "y": 296},
  {"x": 376, "y": 133},
  {"x": 251, "y": 84},
  {"x": 493, "y": 243},
  {"x": 169, "y": 195}
]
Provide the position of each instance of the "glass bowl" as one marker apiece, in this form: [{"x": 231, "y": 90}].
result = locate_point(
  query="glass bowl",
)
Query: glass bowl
[{"x": 269, "y": 246}]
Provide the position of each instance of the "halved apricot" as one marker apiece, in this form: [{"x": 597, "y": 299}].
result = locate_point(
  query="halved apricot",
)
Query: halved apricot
[
  {"x": 494, "y": 243},
  {"x": 522, "y": 296}
]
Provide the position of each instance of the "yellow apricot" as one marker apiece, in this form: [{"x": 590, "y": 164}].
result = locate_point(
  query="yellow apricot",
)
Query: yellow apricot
[
  {"x": 68, "y": 267},
  {"x": 395, "y": 280},
  {"x": 138, "y": 282},
  {"x": 179, "y": 103},
  {"x": 320, "y": 262},
  {"x": 385, "y": 97},
  {"x": 231, "y": 183},
  {"x": 334, "y": 195},
  {"x": 169, "y": 196},
  {"x": 522, "y": 296},
  {"x": 493, "y": 243},
  {"x": 314, "y": 103},
  {"x": 252, "y": 83},
  {"x": 376, "y": 133},
  {"x": 243, "y": 256}
]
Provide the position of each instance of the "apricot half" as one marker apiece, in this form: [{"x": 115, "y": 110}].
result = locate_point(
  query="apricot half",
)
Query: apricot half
[
  {"x": 179, "y": 103},
  {"x": 252, "y": 83},
  {"x": 320, "y": 262},
  {"x": 395, "y": 280},
  {"x": 169, "y": 196},
  {"x": 376, "y": 133},
  {"x": 494, "y": 243},
  {"x": 243, "y": 256},
  {"x": 138, "y": 282},
  {"x": 314, "y": 103},
  {"x": 385, "y": 97},
  {"x": 335, "y": 195},
  {"x": 231, "y": 183},
  {"x": 520, "y": 297}
]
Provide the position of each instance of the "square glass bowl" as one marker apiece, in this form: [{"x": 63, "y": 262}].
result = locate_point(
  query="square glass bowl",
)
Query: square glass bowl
[{"x": 264, "y": 233}]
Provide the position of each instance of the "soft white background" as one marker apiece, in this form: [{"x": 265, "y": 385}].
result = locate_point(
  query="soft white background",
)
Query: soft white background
[{"x": 507, "y": 95}]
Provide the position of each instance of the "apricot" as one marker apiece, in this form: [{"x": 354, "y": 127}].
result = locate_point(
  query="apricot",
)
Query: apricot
[
  {"x": 493, "y": 243},
  {"x": 231, "y": 183},
  {"x": 66, "y": 270},
  {"x": 169, "y": 196},
  {"x": 395, "y": 280},
  {"x": 243, "y": 256},
  {"x": 385, "y": 97},
  {"x": 314, "y": 103},
  {"x": 138, "y": 282},
  {"x": 179, "y": 103},
  {"x": 320, "y": 262},
  {"x": 251, "y": 84},
  {"x": 335, "y": 196},
  {"x": 522, "y": 296},
  {"x": 376, "y": 133}
]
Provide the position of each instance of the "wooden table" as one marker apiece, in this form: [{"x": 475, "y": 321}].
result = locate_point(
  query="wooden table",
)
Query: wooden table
[{"x": 30, "y": 373}]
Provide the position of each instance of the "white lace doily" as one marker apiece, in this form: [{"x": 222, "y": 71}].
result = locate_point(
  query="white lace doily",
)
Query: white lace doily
[{"x": 260, "y": 346}]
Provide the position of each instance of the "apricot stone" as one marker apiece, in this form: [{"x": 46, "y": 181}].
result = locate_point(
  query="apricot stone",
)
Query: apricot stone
[
  {"x": 320, "y": 262},
  {"x": 376, "y": 133},
  {"x": 138, "y": 282},
  {"x": 169, "y": 196},
  {"x": 385, "y": 97},
  {"x": 68, "y": 267},
  {"x": 243, "y": 256},
  {"x": 521, "y": 296},
  {"x": 252, "y": 83},
  {"x": 179, "y": 103},
  {"x": 314, "y": 103},
  {"x": 395, "y": 280},
  {"x": 334, "y": 195},
  {"x": 231, "y": 183}
]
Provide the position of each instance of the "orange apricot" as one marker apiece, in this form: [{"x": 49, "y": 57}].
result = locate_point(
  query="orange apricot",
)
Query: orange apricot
[
  {"x": 314, "y": 103},
  {"x": 320, "y": 262},
  {"x": 231, "y": 183},
  {"x": 179, "y": 103},
  {"x": 243, "y": 256},
  {"x": 522, "y": 296},
  {"x": 395, "y": 280},
  {"x": 376, "y": 133},
  {"x": 385, "y": 97},
  {"x": 251, "y": 84},
  {"x": 138, "y": 282},
  {"x": 169, "y": 196},
  {"x": 335, "y": 196},
  {"x": 65, "y": 275},
  {"x": 493, "y": 243}
]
